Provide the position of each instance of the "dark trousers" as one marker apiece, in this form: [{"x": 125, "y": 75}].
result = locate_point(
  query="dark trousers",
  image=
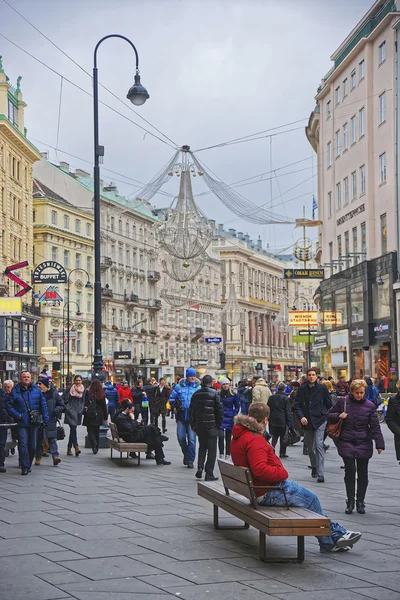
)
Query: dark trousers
[
  {"x": 27, "y": 437},
  {"x": 224, "y": 441},
  {"x": 278, "y": 433},
  {"x": 351, "y": 467},
  {"x": 397, "y": 446},
  {"x": 73, "y": 436},
  {"x": 153, "y": 440},
  {"x": 3, "y": 439},
  {"x": 93, "y": 432},
  {"x": 143, "y": 412},
  {"x": 207, "y": 448},
  {"x": 155, "y": 417},
  {"x": 111, "y": 412}
]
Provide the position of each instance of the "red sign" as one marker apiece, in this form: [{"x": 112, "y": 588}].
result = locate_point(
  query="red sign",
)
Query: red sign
[{"x": 25, "y": 287}]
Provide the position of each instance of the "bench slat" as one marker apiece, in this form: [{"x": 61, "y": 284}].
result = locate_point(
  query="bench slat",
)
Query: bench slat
[{"x": 126, "y": 446}]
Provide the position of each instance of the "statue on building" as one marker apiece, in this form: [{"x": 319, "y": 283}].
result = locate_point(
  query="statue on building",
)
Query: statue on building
[{"x": 222, "y": 359}]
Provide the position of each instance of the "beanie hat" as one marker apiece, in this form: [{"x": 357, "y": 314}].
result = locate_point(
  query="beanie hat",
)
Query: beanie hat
[
  {"x": 190, "y": 372},
  {"x": 45, "y": 381},
  {"x": 224, "y": 380}
]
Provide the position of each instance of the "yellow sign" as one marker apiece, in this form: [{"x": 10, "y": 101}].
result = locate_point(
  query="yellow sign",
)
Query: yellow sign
[
  {"x": 306, "y": 318},
  {"x": 264, "y": 303},
  {"x": 329, "y": 317},
  {"x": 48, "y": 350},
  {"x": 10, "y": 306}
]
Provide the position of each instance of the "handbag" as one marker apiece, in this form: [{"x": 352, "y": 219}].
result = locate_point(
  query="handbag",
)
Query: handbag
[
  {"x": 60, "y": 431},
  {"x": 334, "y": 430},
  {"x": 291, "y": 436},
  {"x": 35, "y": 416}
]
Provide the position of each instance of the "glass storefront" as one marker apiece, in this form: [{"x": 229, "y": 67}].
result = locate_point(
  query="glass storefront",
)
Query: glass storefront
[{"x": 358, "y": 363}]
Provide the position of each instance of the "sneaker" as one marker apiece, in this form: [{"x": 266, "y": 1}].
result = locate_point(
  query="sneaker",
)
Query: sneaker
[
  {"x": 348, "y": 539},
  {"x": 284, "y": 456},
  {"x": 199, "y": 474},
  {"x": 228, "y": 458},
  {"x": 210, "y": 477},
  {"x": 56, "y": 460},
  {"x": 12, "y": 451},
  {"x": 190, "y": 465},
  {"x": 337, "y": 549},
  {"x": 326, "y": 447},
  {"x": 221, "y": 457}
]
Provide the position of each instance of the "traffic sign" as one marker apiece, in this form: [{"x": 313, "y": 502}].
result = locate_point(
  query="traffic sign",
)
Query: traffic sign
[
  {"x": 60, "y": 335},
  {"x": 303, "y": 273},
  {"x": 209, "y": 340}
]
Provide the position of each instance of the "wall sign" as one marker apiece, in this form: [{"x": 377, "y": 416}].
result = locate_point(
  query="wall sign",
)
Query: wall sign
[
  {"x": 56, "y": 274},
  {"x": 10, "y": 307},
  {"x": 147, "y": 361},
  {"x": 382, "y": 330},
  {"x": 350, "y": 215},
  {"x": 303, "y": 273},
  {"x": 25, "y": 287},
  {"x": 127, "y": 355},
  {"x": 210, "y": 340}
]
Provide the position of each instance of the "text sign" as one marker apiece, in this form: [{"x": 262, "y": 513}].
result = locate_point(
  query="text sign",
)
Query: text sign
[
  {"x": 210, "y": 340},
  {"x": 310, "y": 318},
  {"x": 303, "y": 273},
  {"x": 49, "y": 350},
  {"x": 10, "y": 306},
  {"x": 127, "y": 355},
  {"x": 57, "y": 275},
  {"x": 60, "y": 335}
]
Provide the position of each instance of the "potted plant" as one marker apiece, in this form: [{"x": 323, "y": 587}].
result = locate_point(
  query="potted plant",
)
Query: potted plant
[
  {"x": 143, "y": 330},
  {"x": 103, "y": 326},
  {"x": 114, "y": 327}
]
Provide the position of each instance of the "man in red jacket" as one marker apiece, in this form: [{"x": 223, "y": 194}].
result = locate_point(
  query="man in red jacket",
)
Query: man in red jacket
[
  {"x": 124, "y": 393},
  {"x": 250, "y": 449}
]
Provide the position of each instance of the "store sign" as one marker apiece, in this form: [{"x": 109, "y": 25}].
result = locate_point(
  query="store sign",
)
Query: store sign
[
  {"x": 123, "y": 355},
  {"x": 9, "y": 272},
  {"x": 350, "y": 215},
  {"x": 303, "y": 339},
  {"x": 382, "y": 330},
  {"x": 57, "y": 273},
  {"x": 202, "y": 363},
  {"x": 10, "y": 307},
  {"x": 357, "y": 335},
  {"x": 48, "y": 350},
  {"x": 50, "y": 296},
  {"x": 259, "y": 366},
  {"x": 211, "y": 340},
  {"x": 332, "y": 318},
  {"x": 320, "y": 340},
  {"x": 311, "y": 318},
  {"x": 303, "y": 273},
  {"x": 62, "y": 335},
  {"x": 264, "y": 303},
  {"x": 147, "y": 361},
  {"x": 164, "y": 363}
]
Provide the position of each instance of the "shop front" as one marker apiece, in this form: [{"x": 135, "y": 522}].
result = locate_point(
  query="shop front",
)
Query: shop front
[
  {"x": 360, "y": 363},
  {"x": 322, "y": 353},
  {"x": 340, "y": 353},
  {"x": 383, "y": 362}
]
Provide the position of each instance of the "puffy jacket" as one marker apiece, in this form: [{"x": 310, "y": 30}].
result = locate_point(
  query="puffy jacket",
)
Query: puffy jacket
[
  {"x": 55, "y": 407},
  {"x": 261, "y": 391},
  {"x": 137, "y": 393},
  {"x": 205, "y": 412},
  {"x": 312, "y": 402},
  {"x": 250, "y": 449},
  {"x": 124, "y": 393},
  {"x": 342, "y": 388},
  {"x": 20, "y": 398},
  {"x": 231, "y": 405},
  {"x": 4, "y": 416},
  {"x": 393, "y": 415},
  {"x": 359, "y": 428},
  {"x": 111, "y": 395},
  {"x": 101, "y": 415},
  {"x": 73, "y": 407},
  {"x": 279, "y": 405},
  {"x": 130, "y": 430},
  {"x": 183, "y": 393}
]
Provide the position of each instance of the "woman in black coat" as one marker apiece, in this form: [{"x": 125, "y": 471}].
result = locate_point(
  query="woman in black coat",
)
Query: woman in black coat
[
  {"x": 161, "y": 396},
  {"x": 393, "y": 419},
  {"x": 55, "y": 407},
  {"x": 95, "y": 412}
]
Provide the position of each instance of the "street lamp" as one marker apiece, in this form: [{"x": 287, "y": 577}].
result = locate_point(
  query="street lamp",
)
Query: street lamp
[
  {"x": 88, "y": 286},
  {"x": 138, "y": 96}
]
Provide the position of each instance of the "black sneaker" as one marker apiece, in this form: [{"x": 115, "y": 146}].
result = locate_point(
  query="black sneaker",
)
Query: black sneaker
[
  {"x": 150, "y": 456},
  {"x": 164, "y": 438},
  {"x": 199, "y": 474},
  {"x": 24, "y": 472},
  {"x": 313, "y": 472},
  {"x": 210, "y": 477},
  {"x": 163, "y": 462},
  {"x": 190, "y": 465},
  {"x": 3, "y": 470}
]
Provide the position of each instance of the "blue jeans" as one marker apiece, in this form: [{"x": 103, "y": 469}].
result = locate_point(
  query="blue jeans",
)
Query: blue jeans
[
  {"x": 3, "y": 439},
  {"x": 27, "y": 439},
  {"x": 73, "y": 436},
  {"x": 111, "y": 412},
  {"x": 315, "y": 444},
  {"x": 244, "y": 408},
  {"x": 299, "y": 496},
  {"x": 187, "y": 440}
]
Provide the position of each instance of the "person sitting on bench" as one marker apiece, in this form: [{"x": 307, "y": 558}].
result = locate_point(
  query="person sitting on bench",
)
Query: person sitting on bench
[
  {"x": 250, "y": 449},
  {"x": 133, "y": 432}
]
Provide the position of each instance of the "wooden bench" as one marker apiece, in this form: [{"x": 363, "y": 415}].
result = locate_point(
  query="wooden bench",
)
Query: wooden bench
[
  {"x": 115, "y": 443},
  {"x": 233, "y": 496}
]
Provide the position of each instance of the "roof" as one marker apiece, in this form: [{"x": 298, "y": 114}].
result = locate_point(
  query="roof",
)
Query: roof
[{"x": 42, "y": 191}]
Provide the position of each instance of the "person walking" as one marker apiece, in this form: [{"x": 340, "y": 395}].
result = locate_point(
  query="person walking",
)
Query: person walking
[
  {"x": 393, "y": 419},
  {"x": 180, "y": 402},
  {"x": 149, "y": 387},
  {"x": 360, "y": 426},
  {"x": 138, "y": 394},
  {"x": 280, "y": 418},
  {"x": 124, "y": 392},
  {"x": 112, "y": 398},
  {"x": 4, "y": 420},
  {"x": 206, "y": 415},
  {"x": 95, "y": 412},
  {"x": 73, "y": 406},
  {"x": 261, "y": 391},
  {"x": 161, "y": 396},
  {"x": 55, "y": 407},
  {"x": 230, "y": 404},
  {"x": 311, "y": 404},
  {"x": 244, "y": 394},
  {"x": 342, "y": 387},
  {"x": 27, "y": 406}
]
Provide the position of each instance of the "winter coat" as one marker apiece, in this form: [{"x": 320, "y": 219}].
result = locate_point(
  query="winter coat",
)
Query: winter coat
[
  {"x": 260, "y": 392},
  {"x": 55, "y": 407},
  {"x": 250, "y": 449},
  {"x": 4, "y": 416},
  {"x": 372, "y": 392},
  {"x": 160, "y": 400},
  {"x": 393, "y": 415},
  {"x": 244, "y": 394},
  {"x": 206, "y": 411},
  {"x": 312, "y": 402},
  {"x": 280, "y": 415},
  {"x": 111, "y": 395},
  {"x": 124, "y": 393},
  {"x": 359, "y": 428},
  {"x": 73, "y": 407},
  {"x": 137, "y": 393},
  {"x": 181, "y": 395},
  {"x": 150, "y": 390},
  {"x": 20, "y": 398},
  {"x": 101, "y": 415},
  {"x": 230, "y": 403},
  {"x": 130, "y": 430},
  {"x": 342, "y": 388}
]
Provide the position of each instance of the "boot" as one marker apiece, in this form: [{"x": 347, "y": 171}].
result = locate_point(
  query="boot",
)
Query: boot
[
  {"x": 56, "y": 460},
  {"x": 37, "y": 462},
  {"x": 69, "y": 452},
  {"x": 349, "y": 506},
  {"x": 77, "y": 450},
  {"x": 360, "y": 506}
]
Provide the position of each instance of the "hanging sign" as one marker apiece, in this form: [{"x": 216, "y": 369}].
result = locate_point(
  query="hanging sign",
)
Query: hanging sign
[
  {"x": 303, "y": 273},
  {"x": 56, "y": 274},
  {"x": 310, "y": 318},
  {"x": 50, "y": 295},
  {"x": 25, "y": 287}
]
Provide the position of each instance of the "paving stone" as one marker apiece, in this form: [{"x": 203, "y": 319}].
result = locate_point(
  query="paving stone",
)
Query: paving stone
[
  {"x": 166, "y": 580},
  {"x": 30, "y": 545},
  {"x": 119, "y": 596},
  {"x": 27, "y": 517},
  {"x": 123, "y": 585},
  {"x": 62, "y": 555},
  {"x": 33, "y": 565},
  {"x": 185, "y": 550},
  {"x": 30, "y": 588},
  {"x": 109, "y": 568},
  {"x": 25, "y": 530},
  {"x": 101, "y": 547},
  {"x": 63, "y": 577},
  {"x": 342, "y": 593},
  {"x": 220, "y": 591},
  {"x": 209, "y": 571},
  {"x": 377, "y": 593},
  {"x": 309, "y": 577},
  {"x": 92, "y": 532}
]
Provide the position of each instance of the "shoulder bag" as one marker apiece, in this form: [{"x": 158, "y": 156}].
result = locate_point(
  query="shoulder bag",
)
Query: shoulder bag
[
  {"x": 35, "y": 416},
  {"x": 334, "y": 430}
]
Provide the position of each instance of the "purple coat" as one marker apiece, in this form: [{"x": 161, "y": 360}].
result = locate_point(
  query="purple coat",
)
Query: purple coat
[
  {"x": 231, "y": 406},
  {"x": 360, "y": 427}
]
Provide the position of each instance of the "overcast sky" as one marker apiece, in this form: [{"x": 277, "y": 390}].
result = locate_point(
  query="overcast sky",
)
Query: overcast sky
[{"x": 215, "y": 70}]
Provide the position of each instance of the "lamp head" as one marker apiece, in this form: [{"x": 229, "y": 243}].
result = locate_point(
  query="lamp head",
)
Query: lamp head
[
  {"x": 138, "y": 93},
  {"x": 380, "y": 281},
  {"x": 89, "y": 285},
  {"x": 78, "y": 313}
]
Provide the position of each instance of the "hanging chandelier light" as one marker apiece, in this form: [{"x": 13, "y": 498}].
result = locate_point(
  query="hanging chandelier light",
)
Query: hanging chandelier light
[
  {"x": 177, "y": 294},
  {"x": 282, "y": 320},
  {"x": 183, "y": 270},
  {"x": 231, "y": 314}
]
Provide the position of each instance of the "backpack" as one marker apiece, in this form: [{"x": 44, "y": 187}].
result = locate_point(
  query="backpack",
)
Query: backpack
[{"x": 376, "y": 397}]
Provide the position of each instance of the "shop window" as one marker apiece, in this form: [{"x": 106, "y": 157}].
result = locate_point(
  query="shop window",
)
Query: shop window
[
  {"x": 383, "y": 234},
  {"x": 381, "y": 297},
  {"x": 341, "y": 305},
  {"x": 357, "y": 304}
]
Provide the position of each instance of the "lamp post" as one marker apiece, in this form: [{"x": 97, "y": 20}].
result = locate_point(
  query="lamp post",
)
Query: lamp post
[
  {"x": 78, "y": 314},
  {"x": 138, "y": 96},
  {"x": 88, "y": 286}
]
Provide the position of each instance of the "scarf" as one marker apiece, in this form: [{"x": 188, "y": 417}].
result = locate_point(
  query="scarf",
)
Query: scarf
[{"x": 77, "y": 390}]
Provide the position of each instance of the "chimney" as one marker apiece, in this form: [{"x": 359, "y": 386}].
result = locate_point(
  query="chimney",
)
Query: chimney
[
  {"x": 240, "y": 235},
  {"x": 64, "y": 166},
  {"x": 81, "y": 173},
  {"x": 246, "y": 238},
  {"x": 232, "y": 232},
  {"x": 220, "y": 227},
  {"x": 212, "y": 223},
  {"x": 45, "y": 155},
  {"x": 259, "y": 243}
]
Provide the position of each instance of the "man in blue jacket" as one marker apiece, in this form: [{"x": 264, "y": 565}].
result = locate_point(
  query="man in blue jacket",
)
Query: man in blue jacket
[
  {"x": 25, "y": 398},
  {"x": 180, "y": 399},
  {"x": 113, "y": 399}
]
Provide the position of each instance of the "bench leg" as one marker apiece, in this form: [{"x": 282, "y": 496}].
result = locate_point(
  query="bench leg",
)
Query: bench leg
[
  {"x": 300, "y": 548},
  {"x": 111, "y": 452},
  {"x": 217, "y": 526},
  {"x": 262, "y": 547},
  {"x": 120, "y": 458},
  {"x": 138, "y": 459}
]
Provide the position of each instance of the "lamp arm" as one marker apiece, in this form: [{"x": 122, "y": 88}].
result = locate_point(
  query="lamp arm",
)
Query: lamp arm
[{"x": 116, "y": 35}]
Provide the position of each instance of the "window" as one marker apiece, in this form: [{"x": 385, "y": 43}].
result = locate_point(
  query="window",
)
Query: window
[
  {"x": 113, "y": 317},
  {"x": 53, "y": 217},
  {"x": 362, "y": 179},
  {"x": 66, "y": 222},
  {"x": 355, "y": 240},
  {"x": 78, "y": 261},
  {"x": 383, "y": 234},
  {"x": 112, "y": 224},
  {"x": 345, "y": 136},
  {"x": 345, "y": 191},
  {"x": 382, "y": 168},
  {"x": 357, "y": 304},
  {"x": 66, "y": 259},
  {"x": 347, "y": 247},
  {"x": 166, "y": 351},
  {"x": 77, "y": 226},
  {"x": 361, "y": 70},
  {"x": 382, "y": 108},
  {"x": 345, "y": 87},
  {"x": 79, "y": 343},
  {"x": 382, "y": 53},
  {"x": 339, "y": 246},
  {"x": 328, "y": 109},
  {"x": 89, "y": 303},
  {"x": 337, "y": 144},
  {"x": 352, "y": 79},
  {"x": 121, "y": 319},
  {"x": 120, "y": 226},
  {"x": 353, "y": 123},
  {"x": 362, "y": 121},
  {"x": 90, "y": 344},
  {"x": 364, "y": 239},
  {"x": 165, "y": 316},
  {"x": 329, "y": 154},
  {"x": 341, "y": 304},
  {"x": 353, "y": 185},
  {"x": 89, "y": 265},
  {"x": 88, "y": 229},
  {"x": 337, "y": 95},
  {"x": 54, "y": 253},
  {"x": 338, "y": 196},
  {"x": 329, "y": 205}
]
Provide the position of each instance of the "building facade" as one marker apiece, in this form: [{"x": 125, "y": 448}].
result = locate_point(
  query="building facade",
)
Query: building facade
[{"x": 18, "y": 333}]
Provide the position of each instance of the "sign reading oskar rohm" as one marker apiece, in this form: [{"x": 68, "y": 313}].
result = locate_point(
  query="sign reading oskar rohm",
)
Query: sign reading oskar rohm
[{"x": 49, "y": 271}]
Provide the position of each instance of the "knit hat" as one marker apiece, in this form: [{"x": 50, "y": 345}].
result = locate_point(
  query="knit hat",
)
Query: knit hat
[
  {"x": 190, "y": 372},
  {"x": 45, "y": 381},
  {"x": 224, "y": 380}
]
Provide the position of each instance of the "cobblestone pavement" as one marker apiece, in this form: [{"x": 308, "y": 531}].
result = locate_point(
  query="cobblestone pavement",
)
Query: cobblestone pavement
[{"x": 92, "y": 530}]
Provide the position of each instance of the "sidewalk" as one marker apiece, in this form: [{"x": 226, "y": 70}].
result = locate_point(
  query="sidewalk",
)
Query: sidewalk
[{"x": 90, "y": 529}]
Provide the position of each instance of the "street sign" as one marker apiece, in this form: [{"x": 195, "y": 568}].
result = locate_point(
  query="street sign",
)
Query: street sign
[
  {"x": 60, "y": 335},
  {"x": 255, "y": 363},
  {"x": 10, "y": 365},
  {"x": 49, "y": 350},
  {"x": 10, "y": 306},
  {"x": 303, "y": 339},
  {"x": 320, "y": 341},
  {"x": 57, "y": 275},
  {"x": 303, "y": 273},
  {"x": 305, "y": 331},
  {"x": 210, "y": 340},
  {"x": 127, "y": 355}
]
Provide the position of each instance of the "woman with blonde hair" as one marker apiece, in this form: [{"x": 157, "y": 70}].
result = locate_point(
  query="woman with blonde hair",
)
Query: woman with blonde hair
[
  {"x": 393, "y": 419},
  {"x": 360, "y": 426}
]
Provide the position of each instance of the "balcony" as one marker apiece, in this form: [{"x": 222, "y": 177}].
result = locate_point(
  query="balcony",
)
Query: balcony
[
  {"x": 155, "y": 304},
  {"x": 30, "y": 309},
  {"x": 106, "y": 263},
  {"x": 131, "y": 298},
  {"x": 106, "y": 293},
  {"x": 153, "y": 275}
]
